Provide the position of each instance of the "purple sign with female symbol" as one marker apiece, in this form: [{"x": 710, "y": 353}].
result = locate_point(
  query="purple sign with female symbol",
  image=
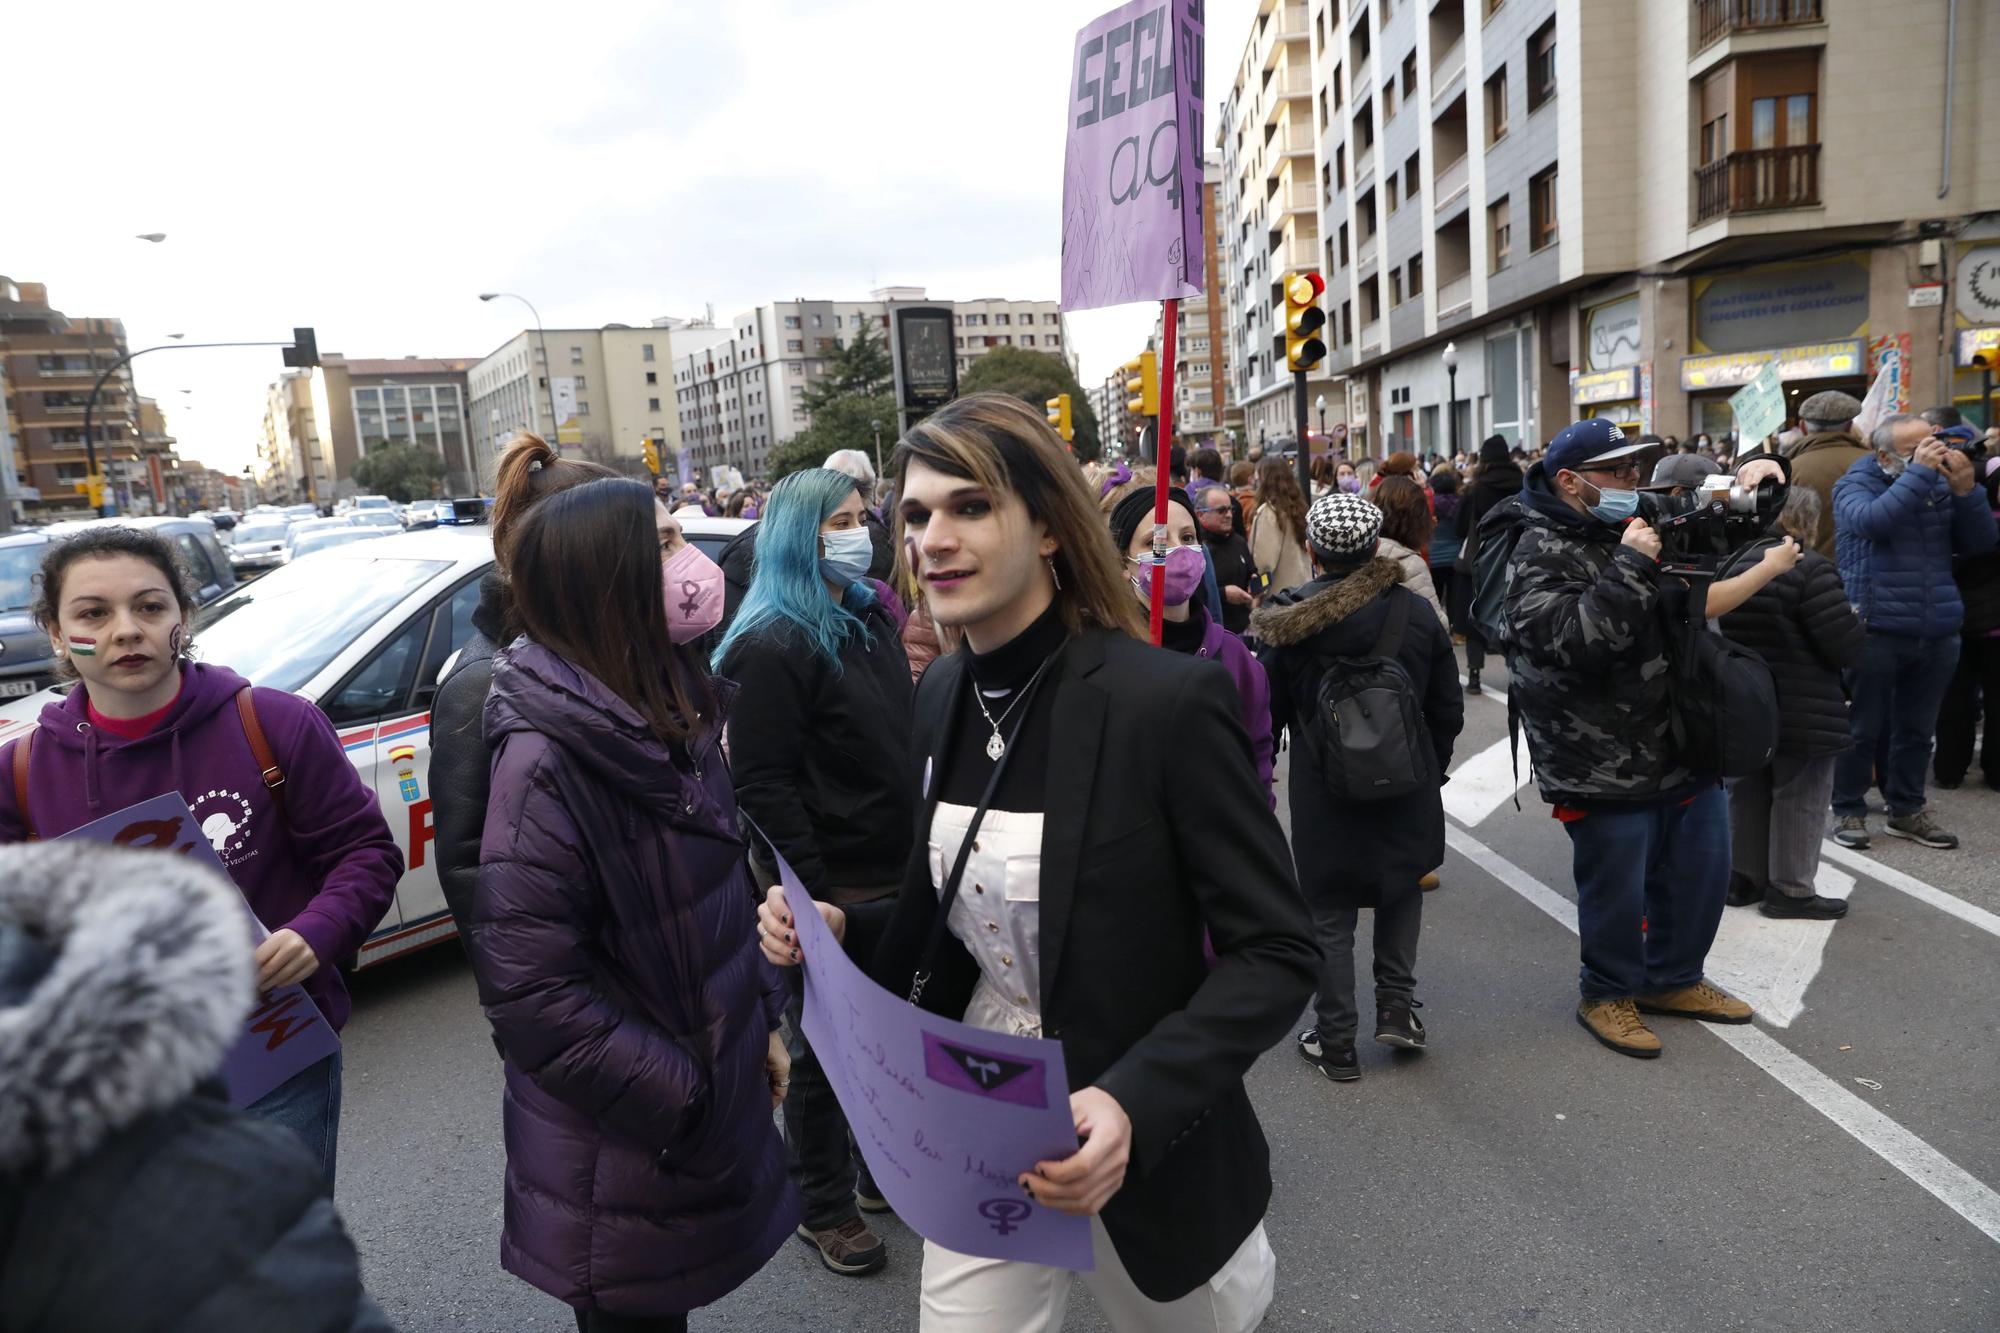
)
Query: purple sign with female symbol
[{"x": 948, "y": 1116}]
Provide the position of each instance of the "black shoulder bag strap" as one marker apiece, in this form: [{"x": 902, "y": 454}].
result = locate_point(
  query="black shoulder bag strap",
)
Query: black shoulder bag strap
[
  {"x": 941, "y": 922},
  {"x": 1393, "y": 624}
]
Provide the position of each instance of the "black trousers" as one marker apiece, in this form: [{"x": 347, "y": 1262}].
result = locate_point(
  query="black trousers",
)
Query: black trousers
[
  {"x": 1397, "y": 923},
  {"x": 1475, "y": 649},
  {"x": 597, "y": 1321},
  {"x": 819, "y": 1151},
  {"x": 1978, "y": 675}
]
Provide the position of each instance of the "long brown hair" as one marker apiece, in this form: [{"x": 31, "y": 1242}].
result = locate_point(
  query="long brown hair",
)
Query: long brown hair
[
  {"x": 1406, "y": 514},
  {"x": 1003, "y": 445},
  {"x": 531, "y": 471},
  {"x": 1278, "y": 491},
  {"x": 587, "y": 586}
]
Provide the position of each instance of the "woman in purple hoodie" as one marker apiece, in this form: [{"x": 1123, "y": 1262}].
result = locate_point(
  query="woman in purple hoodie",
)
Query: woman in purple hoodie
[
  {"x": 303, "y": 836},
  {"x": 1188, "y": 627}
]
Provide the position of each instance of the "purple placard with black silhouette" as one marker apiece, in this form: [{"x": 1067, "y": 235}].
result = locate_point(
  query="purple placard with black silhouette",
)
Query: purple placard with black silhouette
[
  {"x": 947, "y": 1115},
  {"x": 285, "y": 1033}
]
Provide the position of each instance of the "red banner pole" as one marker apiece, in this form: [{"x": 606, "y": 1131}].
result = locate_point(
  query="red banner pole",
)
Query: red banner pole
[{"x": 1163, "y": 449}]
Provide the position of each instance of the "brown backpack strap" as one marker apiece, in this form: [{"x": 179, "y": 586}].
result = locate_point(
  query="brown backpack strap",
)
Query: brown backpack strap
[
  {"x": 23, "y": 751},
  {"x": 260, "y": 749}
]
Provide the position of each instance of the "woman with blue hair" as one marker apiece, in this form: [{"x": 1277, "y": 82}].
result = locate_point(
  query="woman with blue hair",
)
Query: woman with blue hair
[{"x": 818, "y": 739}]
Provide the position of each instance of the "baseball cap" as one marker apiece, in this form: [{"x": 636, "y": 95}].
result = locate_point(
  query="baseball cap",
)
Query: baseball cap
[
  {"x": 1683, "y": 470},
  {"x": 1592, "y": 440}
]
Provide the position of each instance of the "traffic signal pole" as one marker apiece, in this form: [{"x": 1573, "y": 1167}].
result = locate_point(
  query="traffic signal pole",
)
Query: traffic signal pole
[
  {"x": 1163, "y": 449},
  {"x": 1305, "y": 444}
]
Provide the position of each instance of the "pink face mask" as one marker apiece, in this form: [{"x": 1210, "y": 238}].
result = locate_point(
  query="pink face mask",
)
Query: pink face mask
[
  {"x": 1185, "y": 566},
  {"x": 694, "y": 593}
]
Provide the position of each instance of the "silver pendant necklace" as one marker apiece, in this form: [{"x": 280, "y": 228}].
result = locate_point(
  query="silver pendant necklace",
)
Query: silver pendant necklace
[{"x": 995, "y": 746}]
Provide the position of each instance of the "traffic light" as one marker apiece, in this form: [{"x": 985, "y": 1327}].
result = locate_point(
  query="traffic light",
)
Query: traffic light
[
  {"x": 1059, "y": 417},
  {"x": 1304, "y": 348},
  {"x": 92, "y": 488},
  {"x": 1143, "y": 388},
  {"x": 304, "y": 351},
  {"x": 652, "y": 452}
]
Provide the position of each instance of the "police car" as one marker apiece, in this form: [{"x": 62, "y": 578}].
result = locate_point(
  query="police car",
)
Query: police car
[{"x": 364, "y": 631}]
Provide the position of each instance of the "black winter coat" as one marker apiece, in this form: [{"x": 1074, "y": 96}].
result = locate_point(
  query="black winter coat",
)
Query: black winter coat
[
  {"x": 1491, "y": 484},
  {"x": 461, "y": 763},
  {"x": 1802, "y": 626},
  {"x": 1978, "y": 578},
  {"x": 1349, "y": 852},
  {"x": 822, "y": 756},
  {"x": 133, "y": 1199}
]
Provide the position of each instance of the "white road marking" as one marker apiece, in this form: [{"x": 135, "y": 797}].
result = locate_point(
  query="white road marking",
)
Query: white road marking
[
  {"x": 1771, "y": 963},
  {"x": 1484, "y": 782},
  {"x": 1910, "y": 884},
  {"x": 1943, "y": 1178}
]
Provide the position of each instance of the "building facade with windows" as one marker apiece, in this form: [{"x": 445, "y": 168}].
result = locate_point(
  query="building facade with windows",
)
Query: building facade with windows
[
  {"x": 48, "y": 363},
  {"x": 1590, "y": 233},
  {"x": 1204, "y": 411}
]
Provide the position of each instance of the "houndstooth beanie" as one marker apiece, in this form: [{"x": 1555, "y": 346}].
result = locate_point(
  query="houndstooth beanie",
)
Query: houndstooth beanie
[{"x": 1343, "y": 527}]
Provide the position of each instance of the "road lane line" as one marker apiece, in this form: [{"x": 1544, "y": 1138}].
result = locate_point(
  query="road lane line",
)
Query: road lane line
[
  {"x": 1951, "y": 1184},
  {"x": 1484, "y": 782},
  {"x": 1770, "y": 964},
  {"x": 1948, "y": 903}
]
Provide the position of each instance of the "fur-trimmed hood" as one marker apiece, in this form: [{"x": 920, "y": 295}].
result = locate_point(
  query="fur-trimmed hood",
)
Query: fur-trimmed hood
[
  {"x": 147, "y": 980},
  {"x": 1299, "y": 613}
]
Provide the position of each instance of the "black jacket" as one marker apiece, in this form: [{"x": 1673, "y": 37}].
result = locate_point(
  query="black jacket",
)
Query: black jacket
[
  {"x": 1978, "y": 578},
  {"x": 821, "y": 757},
  {"x": 1136, "y": 863},
  {"x": 461, "y": 763},
  {"x": 1349, "y": 852},
  {"x": 1491, "y": 484},
  {"x": 1806, "y": 632},
  {"x": 133, "y": 1199},
  {"x": 1234, "y": 568}
]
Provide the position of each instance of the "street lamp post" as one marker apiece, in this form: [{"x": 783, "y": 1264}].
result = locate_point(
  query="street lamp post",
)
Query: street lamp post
[
  {"x": 1451, "y": 394},
  {"x": 876, "y": 426},
  {"x": 548, "y": 370},
  {"x": 1320, "y": 403}
]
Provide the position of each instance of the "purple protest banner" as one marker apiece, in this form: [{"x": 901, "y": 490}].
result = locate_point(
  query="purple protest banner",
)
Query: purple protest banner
[
  {"x": 286, "y": 1032},
  {"x": 1132, "y": 168},
  {"x": 947, "y": 1115}
]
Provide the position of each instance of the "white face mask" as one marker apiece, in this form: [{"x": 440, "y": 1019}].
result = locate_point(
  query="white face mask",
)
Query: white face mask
[
  {"x": 1892, "y": 464},
  {"x": 848, "y": 554}
]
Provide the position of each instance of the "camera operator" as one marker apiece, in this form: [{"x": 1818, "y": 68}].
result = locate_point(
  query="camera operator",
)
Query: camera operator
[
  {"x": 1589, "y": 612},
  {"x": 1900, "y": 516}
]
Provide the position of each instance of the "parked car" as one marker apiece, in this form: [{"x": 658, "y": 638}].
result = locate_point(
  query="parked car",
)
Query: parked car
[
  {"x": 26, "y": 662},
  {"x": 258, "y": 543},
  {"x": 321, "y": 539},
  {"x": 306, "y": 525},
  {"x": 421, "y": 514},
  {"x": 387, "y": 519},
  {"x": 365, "y": 630}
]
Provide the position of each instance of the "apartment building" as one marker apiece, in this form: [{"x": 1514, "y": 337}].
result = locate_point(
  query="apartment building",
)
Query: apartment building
[
  {"x": 291, "y": 465},
  {"x": 742, "y": 396},
  {"x": 1592, "y": 232},
  {"x": 1270, "y": 212},
  {"x": 48, "y": 363},
  {"x": 319, "y": 423},
  {"x": 1204, "y": 410}
]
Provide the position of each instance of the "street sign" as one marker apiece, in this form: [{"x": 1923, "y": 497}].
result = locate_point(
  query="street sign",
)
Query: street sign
[
  {"x": 1132, "y": 167},
  {"x": 1759, "y": 406}
]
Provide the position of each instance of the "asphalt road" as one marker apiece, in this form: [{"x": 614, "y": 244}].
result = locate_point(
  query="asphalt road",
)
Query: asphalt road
[{"x": 1515, "y": 1176}]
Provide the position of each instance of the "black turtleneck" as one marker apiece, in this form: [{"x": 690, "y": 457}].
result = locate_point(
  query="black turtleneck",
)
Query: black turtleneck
[
  {"x": 1185, "y": 636},
  {"x": 998, "y": 676}
]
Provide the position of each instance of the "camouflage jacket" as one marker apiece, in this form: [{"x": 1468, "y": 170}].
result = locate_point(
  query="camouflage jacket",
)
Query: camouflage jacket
[{"x": 1587, "y": 665}]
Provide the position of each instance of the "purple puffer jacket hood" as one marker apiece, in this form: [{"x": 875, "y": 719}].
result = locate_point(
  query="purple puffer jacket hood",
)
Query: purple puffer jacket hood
[
  {"x": 327, "y": 868},
  {"x": 614, "y": 937},
  {"x": 1253, "y": 690}
]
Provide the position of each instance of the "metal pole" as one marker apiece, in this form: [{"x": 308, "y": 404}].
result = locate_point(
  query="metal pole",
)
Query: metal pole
[
  {"x": 1451, "y": 405},
  {"x": 1163, "y": 449},
  {"x": 1300, "y": 418}
]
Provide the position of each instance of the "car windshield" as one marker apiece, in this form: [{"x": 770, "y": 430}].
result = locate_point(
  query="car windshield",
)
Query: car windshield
[
  {"x": 261, "y": 532},
  {"x": 283, "y": 629},
  {"x": 17, "y": 574},
  {"x": 319, "y": 541}
]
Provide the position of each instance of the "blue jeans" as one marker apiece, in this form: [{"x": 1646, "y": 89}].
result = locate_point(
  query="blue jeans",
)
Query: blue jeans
[
  {"x": 1650, "y": 883},
  {"x": 308, "y": 1104},
  {"x": 1894, "y": 695}
]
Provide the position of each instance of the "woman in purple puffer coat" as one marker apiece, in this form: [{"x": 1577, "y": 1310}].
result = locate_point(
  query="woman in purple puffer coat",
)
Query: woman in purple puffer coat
[{"x": 614, "y": 938}]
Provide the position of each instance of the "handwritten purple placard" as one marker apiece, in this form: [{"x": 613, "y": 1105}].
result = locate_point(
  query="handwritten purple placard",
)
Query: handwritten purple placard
[
  {"x": 947, "y": 1115},
  {"x": 286, "y": 1032},
  {"x": 1132, "y": 165}
]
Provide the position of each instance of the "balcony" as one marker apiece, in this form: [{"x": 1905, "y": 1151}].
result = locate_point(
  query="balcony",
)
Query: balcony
[
  {"x": 1455, "y": 296},
  {"x": 1717, "y": 19},
  {"x": 1450, "y": 183},
  {"x": 1757, "y": 180},
  {"x": 1292, "y": 141},
  {"x": 1446, "y": 72},
  {"x": 1367, "y": 250},
  {"x": 1371, "y": 336}
]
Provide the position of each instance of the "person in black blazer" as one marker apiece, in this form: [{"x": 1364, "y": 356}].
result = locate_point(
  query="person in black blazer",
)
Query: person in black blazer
[{"x": 1088, "y": 886}]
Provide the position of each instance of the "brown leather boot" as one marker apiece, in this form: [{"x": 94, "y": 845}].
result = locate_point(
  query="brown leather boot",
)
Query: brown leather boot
[
  {"x": 1704, "y": 1000},
  {"x": 1617, "y": 1024}
]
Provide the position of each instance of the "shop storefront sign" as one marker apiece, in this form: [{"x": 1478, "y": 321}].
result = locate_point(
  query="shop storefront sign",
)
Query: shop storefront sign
[
  {"x": 1810, "y": 361},
  {"x": 1611, "y": 335},
  {"x": 1979, "y": 285},
  {"x": 1605, "y": 386},
  {"x": 1973, "y": 341},
  {"x": 1782, "y": 305}
]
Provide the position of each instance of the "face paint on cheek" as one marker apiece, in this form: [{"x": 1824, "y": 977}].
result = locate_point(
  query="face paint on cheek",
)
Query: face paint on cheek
[
  {"x": 176, "y": 641},
  {"x": 81, "y": 647}
]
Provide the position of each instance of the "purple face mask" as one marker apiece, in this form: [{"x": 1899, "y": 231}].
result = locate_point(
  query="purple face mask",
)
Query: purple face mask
[
  {"x": 1184, "y": 568},
  {"x": 1351, "y": 484}
]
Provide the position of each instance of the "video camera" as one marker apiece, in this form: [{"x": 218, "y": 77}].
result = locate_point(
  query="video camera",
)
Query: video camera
[{"x": 1700, "y": 529}]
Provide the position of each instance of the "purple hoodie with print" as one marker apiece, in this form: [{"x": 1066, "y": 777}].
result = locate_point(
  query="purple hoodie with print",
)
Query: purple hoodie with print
[{"x": 327, "y": 869}]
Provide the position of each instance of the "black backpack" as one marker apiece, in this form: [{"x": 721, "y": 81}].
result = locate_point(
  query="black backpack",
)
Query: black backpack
[
  {"x": 1499, "y": 532},
  {"x": 1367, "y": 725},
  {"x": 1722, "y": 703}
]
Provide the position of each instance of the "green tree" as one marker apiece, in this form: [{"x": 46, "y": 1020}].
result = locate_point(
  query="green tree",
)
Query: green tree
[
  {"x": 1036, "y": 377},
  {"x": 838, "y": 423},
  {"x": 858, "y": 368},
  {"x": 400, "y": 471}
]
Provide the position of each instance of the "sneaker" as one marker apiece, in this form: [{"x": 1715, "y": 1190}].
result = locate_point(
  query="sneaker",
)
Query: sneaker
[
  {"x": 1338, "y": 1063},
  {"x": 1617, "y": 1024},
  {"x": 1783, "y": 907},
  {"x": 868, "y": 1201},
  {"x": 1704, "y": 1000},
  {"x": 849, "y": 1248},
  {"x": 1920, "y": 827},
  {"x": 1472, "y": 682},
  {"x": 1397, "y": 1026},
  {"x": 1742, "y": 893},
  {"x": 1851, "y": 831},
  {"x": 1429, "y": 881}
]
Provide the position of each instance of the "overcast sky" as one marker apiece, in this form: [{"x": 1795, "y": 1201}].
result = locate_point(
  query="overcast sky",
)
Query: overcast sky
[{"x": 369, "y": 168}]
